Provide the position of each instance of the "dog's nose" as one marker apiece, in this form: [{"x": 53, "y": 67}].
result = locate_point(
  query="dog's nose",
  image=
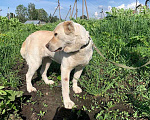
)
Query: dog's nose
[{"x": 47, "y": 45}]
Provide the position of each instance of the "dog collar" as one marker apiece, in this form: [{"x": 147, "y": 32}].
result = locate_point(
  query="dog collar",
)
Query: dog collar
[{"x": 86, "y": 44}]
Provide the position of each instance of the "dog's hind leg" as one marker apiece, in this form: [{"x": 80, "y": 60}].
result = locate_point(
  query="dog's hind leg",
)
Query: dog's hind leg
[
  {"x": 45, "y": 65},
  {"x": 76, "y": 76},
  {"x": 33, "y": 66}
]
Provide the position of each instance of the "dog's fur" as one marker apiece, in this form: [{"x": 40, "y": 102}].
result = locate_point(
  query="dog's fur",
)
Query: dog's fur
[{"x": 69, "y": 44}]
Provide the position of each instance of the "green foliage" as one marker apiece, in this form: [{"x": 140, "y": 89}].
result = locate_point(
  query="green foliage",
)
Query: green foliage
[
  {"x": 24, "y": 13},
  {"x": 12, "y": 35},
  {"x": 32, "y": 13},
  {"x": 42, "y": 15},
  {"x": 7, "y": 102},
  {"x": 6, "y": 24},
  {"x": 21, "y": 12},
  {"x": 53, "y": 19},
  {"x": 122, "y": 37}
]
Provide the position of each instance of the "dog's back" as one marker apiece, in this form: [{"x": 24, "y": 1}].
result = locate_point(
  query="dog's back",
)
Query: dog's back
[{"x": 35, "y": 44}]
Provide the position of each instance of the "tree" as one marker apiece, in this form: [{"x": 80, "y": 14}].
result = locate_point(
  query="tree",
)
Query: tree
[
  {"x": 53, "y": 18},
  {"x": 32, "y": 12},
  {"x": 42, "y": 15},
  {"x": 21, "y": 13},
  {"x": 84, "y": 17}
]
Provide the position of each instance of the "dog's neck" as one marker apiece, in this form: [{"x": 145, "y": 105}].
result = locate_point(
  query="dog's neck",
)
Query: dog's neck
[{"x": 84, "y": 46}]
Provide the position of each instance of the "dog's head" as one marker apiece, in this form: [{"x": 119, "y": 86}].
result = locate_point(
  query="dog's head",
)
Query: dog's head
[{"x": 67, "y": 36}]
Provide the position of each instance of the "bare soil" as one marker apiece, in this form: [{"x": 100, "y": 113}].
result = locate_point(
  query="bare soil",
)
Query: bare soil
[{"x": 47, "y": 103}]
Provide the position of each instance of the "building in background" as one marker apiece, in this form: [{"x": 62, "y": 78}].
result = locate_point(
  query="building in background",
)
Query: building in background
[{"x": 35, "y": 22}]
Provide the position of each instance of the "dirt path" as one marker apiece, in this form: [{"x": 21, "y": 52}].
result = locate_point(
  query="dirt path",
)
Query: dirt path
[{"x": 47, "y": 104}]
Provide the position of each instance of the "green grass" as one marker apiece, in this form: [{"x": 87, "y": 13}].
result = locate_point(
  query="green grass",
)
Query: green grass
[
  {"x": 123, "y": 38},
  {"x": 12, "y": 35}
]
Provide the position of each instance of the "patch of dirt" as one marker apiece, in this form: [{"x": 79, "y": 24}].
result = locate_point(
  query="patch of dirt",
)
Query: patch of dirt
[{"x": 47, "y": 103}]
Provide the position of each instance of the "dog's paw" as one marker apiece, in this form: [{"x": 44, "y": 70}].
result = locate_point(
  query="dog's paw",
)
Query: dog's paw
[
  {"x": 77, "y": 89},
  {"x": 69, "y": 104},
  {"x": 31, "y": 89},
  {"x": 49, "y": 82}
]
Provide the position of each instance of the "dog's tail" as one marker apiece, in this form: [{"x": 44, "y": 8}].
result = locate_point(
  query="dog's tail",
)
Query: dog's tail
[{"x": 23, "y": 51}]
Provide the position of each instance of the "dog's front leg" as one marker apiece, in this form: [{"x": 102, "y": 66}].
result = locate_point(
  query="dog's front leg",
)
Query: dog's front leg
[{"x": 65, "y": 76}]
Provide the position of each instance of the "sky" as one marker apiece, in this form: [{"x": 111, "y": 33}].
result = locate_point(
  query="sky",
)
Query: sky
[{"x": 94, "y": 6}]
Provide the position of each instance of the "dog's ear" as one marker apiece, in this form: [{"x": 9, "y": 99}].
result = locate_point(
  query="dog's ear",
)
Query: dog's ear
[{"x": 68, "y": 27}]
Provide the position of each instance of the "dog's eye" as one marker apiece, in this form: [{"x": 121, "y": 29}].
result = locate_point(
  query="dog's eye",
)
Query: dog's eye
[{"x": 55, "y": 34}]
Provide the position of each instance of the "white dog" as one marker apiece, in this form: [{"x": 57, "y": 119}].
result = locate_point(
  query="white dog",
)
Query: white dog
[{"x": 69, "y": 44}]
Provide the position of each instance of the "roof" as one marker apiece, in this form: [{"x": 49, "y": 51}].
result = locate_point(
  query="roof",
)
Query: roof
[{"x": 32, "y": 22}]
